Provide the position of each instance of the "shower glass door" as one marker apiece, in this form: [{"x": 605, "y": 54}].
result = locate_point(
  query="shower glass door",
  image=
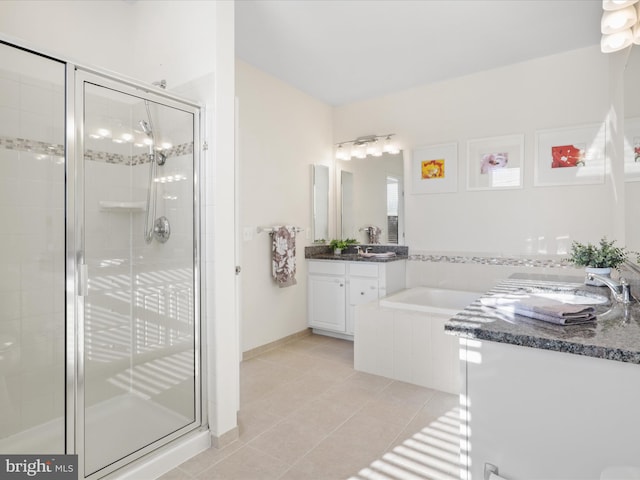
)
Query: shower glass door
[
  {"x": 32, "y": 253},
  {"x": 139, "y": 330}
]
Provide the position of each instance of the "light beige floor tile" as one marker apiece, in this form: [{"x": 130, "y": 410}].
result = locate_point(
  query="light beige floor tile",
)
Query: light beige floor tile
[
  {"x": 254, "y": 420},
  {"x": 306, "y": 414},
  {"x": 201, "y": 462},
  {"x": 365, "y": 433},
  {"x": 391, "y": 409},
  {"x": 408, "y": 393},
  {"x": 371, "y": 383},
  {"x": 315, "y": 383},
  {"x": 337, "y": 456},
  {"x": 333, "y": 370},
  {"x": 284, "y": 400},
  {"x": 347, "y": 394},
  {"x": 325, "y": 415},
  {"x": 298, "y": 360},
  {"x": 337, "y": 352},
  {"x": 247, "y": 463},
  {"x": 259, "y": 378},
  {"x": 176, "y": 474},
  {"x": 289, "y": 440}
]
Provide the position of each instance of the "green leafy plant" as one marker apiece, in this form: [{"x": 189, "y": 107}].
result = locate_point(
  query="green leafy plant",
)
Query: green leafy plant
[
  {"x": 603, "y": 255},
  {"x": 342, "y": 244}
]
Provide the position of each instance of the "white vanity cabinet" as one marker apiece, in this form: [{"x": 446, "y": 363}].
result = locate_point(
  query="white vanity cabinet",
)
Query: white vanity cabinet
[
  {"x": 548, "y": 415},
  {"x": 336, "y": 287}
]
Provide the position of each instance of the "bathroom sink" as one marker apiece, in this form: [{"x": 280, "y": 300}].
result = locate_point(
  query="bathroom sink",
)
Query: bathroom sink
[
  {"x": 378, "y": 255},
  {"x": 574, "y": 297}
]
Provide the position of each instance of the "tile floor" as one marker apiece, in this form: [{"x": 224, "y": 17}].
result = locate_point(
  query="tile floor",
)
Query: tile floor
[{"x": 306, "y": 414}]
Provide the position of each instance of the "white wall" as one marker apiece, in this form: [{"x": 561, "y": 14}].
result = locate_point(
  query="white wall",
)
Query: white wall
[
  {"x": 180, "y": 41},
  {"x": 559, "y": 91},
  {"x": 282, "y": 132}
]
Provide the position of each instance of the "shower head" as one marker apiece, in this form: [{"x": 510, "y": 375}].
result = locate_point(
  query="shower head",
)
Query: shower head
[{"x": 145, "y": 128}]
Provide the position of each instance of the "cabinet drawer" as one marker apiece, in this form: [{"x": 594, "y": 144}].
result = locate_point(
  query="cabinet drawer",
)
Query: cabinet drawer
[
  {"x": 329, "y": 267},
  {"x": 363, "y": 269},
  {"x": 362, "y": 290}
]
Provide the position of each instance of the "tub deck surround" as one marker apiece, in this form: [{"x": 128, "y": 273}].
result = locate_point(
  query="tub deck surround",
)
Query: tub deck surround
[
  {"x": 615, "y": 335},
  {"x": 324, "y": 252}
]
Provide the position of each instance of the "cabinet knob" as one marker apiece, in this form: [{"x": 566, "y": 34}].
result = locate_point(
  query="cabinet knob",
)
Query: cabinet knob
[
  {"x": 361, "y": 293},
  {"x": 342, "y": 284}
]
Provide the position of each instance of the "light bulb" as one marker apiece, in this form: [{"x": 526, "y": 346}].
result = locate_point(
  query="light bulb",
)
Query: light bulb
[
  {"x": 358, "y": 151},
  {"x": 616, "y": 41},
  {"x": 618, "y": 20},
  {"x": 390, "y": 147},
  {"x": 374, "y": 148},
  {"x": 610, "y": 5},
  {"x": 342, "y": 153}
]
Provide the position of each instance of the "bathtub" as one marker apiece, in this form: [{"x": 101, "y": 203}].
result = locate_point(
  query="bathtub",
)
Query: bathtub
[
  {"x": 430, "y": 300},
  {"x": 402, "y": 337}
]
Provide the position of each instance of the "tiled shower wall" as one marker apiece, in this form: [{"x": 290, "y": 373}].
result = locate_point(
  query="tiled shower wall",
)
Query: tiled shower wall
[
  {"x": 32, "y": 255},
  {"x": 140, "y": 309}
]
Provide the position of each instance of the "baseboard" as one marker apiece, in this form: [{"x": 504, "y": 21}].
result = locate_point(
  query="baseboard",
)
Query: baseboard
[
  {"x": 226, "y": 438},
  {"x": 278, "y": 343}
]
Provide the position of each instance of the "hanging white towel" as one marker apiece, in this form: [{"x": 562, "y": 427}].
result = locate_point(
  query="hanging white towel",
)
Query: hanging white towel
[{"x": 283, "y": 256}]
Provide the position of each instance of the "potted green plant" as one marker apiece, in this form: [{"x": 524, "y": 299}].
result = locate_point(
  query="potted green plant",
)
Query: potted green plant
[
  {"x": 339, "y": 245},
  {"x": 599, "y": 259}
]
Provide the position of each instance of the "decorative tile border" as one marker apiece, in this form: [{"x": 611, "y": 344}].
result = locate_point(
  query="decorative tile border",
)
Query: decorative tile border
[
  {"x": 33, "y": 146},
  {"x": 513, "y": 261},
  {"x": 44, "y": 148},
  {"x": 106, "y": 157}
]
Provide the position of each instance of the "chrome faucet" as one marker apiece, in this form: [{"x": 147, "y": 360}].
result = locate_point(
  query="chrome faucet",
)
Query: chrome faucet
[{"x": 621, "y": 290}]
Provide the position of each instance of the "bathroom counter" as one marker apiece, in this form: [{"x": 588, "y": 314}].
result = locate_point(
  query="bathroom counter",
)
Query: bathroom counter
[
  {"x": 323, "y": 252},
  {"x": 562, "y": 399},
  {"x": 615, "y": 335},
  {"x": 354, "y": 257}
]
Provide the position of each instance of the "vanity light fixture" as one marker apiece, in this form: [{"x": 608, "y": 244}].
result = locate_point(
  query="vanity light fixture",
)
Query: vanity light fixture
[
  {"x": 620, "y": 25},
  {"x": 361, "y": 147}
]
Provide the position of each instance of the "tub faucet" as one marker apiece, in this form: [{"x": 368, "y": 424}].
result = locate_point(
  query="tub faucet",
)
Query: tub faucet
[{"x": 621, "y": 290}]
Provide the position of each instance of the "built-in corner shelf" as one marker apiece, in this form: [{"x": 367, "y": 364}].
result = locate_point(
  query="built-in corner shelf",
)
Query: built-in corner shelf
[{"x": 125, "y": 207}]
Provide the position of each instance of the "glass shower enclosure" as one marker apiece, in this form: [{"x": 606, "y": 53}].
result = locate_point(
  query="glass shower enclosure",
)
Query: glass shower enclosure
[{"x": 100, "y": 329}]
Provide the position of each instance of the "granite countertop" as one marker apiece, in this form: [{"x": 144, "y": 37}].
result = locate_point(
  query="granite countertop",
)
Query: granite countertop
[
  {"x": 615, "y": 335},
  {"x": 354, "y": 257},
  {"x": 323, "y": 252}
]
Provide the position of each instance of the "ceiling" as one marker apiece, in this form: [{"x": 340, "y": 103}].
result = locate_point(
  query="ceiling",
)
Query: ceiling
[{"x": 341, "y": 51}]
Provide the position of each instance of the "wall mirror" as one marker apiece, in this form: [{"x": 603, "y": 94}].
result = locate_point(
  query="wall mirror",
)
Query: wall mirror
[
  {"x": 370, "y": 193},
  {"x": 320, "y": 202},
  {"x": 632, "y": 143}
]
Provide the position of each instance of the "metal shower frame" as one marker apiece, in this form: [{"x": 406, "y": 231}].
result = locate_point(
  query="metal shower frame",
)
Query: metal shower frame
[{"x": 76, "y": 273}]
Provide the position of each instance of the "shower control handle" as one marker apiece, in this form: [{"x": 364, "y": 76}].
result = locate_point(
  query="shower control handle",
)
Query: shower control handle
[{"x": 162, "y": 229}]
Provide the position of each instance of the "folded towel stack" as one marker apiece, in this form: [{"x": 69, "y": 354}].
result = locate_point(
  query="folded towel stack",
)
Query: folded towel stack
[{"x": 543, "y": 309}]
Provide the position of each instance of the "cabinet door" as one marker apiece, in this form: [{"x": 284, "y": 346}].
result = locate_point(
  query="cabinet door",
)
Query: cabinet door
[
  {"x": 327, "y": 299},
  {"x": 361, "y": 290}
]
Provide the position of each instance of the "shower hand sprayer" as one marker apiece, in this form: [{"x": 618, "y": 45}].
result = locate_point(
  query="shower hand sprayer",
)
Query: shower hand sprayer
[{"x": 158, "y": 228}]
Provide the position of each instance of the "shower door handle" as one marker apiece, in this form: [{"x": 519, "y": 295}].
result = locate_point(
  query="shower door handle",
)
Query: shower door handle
[{"x": 83, "y": 280}]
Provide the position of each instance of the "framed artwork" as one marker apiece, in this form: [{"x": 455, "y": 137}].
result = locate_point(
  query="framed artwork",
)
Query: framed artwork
[
  {"x": 570, "y": 156},
  {"x": 632, "y": 149},
  {"x": 434, "y": 169},
  {"x": 495, "y": 163}
]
